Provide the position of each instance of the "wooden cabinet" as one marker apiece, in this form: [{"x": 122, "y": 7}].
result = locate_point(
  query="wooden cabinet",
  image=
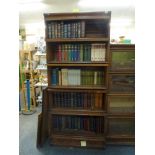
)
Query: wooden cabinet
[
  {"x": 121, "y": 96},
  {"x": 75, "y": 101}
]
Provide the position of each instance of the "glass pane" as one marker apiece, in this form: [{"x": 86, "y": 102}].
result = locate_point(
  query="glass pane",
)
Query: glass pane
[
  {"x": 123, "y": 60},
  {"x": 122, "y": 104},
  {"x": 121, "y": 126},
  {"x": 122, "y": 83},
  {"x": 78, "y": 123}
]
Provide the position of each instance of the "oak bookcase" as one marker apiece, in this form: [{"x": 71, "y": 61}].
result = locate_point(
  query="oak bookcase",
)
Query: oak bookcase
[{"x": 121, "y": 95}]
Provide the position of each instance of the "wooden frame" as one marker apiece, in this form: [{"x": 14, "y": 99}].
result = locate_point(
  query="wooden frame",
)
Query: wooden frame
[
  {"x": 120, "y": 96},
  {"x": 97, "y": 30},
  {"x": 119, "y": 138},
  {"x": 121, "y": 48}
]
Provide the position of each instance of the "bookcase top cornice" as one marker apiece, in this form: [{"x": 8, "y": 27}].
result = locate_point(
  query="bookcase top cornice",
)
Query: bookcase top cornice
[{"x": 79, "y": 15}]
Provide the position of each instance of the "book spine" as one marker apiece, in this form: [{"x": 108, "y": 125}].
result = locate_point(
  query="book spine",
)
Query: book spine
[
  {"x": 56, "y": 30},
  {"x": 82, "y": 29},
  {"x": 61, "y": 29},
  {"x": 64, "y": 73},
  {"x": 59, "y": 53},
  {"x": 65, "y": 31},
  {"x": 78, "y": 30},
  {"x": 54, "y": 77},
  {"x": 74, "y": 30},
  {"x": 49, "y": 31},
  {"x": 81, "y": 52},
  {"x": 53, "y": 29}
]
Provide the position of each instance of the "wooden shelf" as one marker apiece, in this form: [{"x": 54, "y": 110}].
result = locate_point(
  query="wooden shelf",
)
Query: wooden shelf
[
  {"x": 57, "y": 40},
  {"x": 99, "y": 64},
  {"x": 122, "y": 47},
  {"x": 83, "y": 112},
  {"x": 121, "y": 115},
  {"x": 121, "y": 94},
  {"x": 121, "y": 72},
  {"x": 78, "y": 134},
  {"x": 79, "y": 87}
]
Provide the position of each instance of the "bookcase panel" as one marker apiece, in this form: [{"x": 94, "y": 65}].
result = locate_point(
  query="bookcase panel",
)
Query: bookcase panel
[
  {"x": 121, "y": 126},
  {"x": 96, "y": 29},
  {"x": 123, "y": 60},
  {"x": 78, "y": 124},
  {"x": 77, "y": 52},
  {"x": 75, "y": 76},
  {"x": 92, "y": 100},
  {"x": 121, "y": 104},
  {"x": 122, "y": 83}
]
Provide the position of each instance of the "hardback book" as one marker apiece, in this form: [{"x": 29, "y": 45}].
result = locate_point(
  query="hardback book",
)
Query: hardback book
[
  {"x": 82, "y": 29},
  {"x": 54, "y": 77},
  {"x": 64, "y": 76}
]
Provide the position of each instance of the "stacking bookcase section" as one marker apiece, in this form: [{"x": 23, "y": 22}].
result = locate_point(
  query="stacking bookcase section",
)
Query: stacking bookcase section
[
  {"x": 77, "y": 25},
  {"x": 78, "y": 102},
  {"x": 79, "y": 77},
  {"x": 121, "y": 129},
  {"x": 77, "y": 47},
  {"x": 82, "y": 131},
  {"x": 78, "y": 53},
  {"x": 122, "y": 58},
  {"x": 121, "y": 96},
  {"x": 122, "y": 83},
  {"x": 121, "y": 104}
]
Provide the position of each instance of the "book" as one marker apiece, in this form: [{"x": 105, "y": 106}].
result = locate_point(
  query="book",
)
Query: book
[
  {"x": 54, "y": 76},
  {"x": 64, "y": 76},
  {"x": 82, "y": 29}
]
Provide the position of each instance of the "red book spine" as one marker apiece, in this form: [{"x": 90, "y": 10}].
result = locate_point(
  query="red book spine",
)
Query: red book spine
[{"x": 59, "y": 53}]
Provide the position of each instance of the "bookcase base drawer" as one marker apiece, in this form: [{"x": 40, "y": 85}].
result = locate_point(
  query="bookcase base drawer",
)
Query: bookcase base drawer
[
  {"x": 121, "y": 140},
  {"x": 78, "y": 142}
]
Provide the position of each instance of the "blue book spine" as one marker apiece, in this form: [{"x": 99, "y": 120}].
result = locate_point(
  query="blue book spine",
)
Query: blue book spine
[{"x": 54, "y": 77}]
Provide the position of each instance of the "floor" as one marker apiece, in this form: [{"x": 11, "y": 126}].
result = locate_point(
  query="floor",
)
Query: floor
[{"x": 27, "y": 142}]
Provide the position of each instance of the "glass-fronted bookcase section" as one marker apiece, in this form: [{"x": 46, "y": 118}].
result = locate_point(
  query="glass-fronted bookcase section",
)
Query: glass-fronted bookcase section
[
  {"x": 122, "y": 58},
  {"x": 121, "y": 104},
  {"x": 121, "y": 126},
  {"x": 122, "y": 83}
]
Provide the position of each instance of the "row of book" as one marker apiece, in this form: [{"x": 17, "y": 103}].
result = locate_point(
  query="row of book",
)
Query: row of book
[
  {"x": 94, "y": 124},
  {"x": 81, "y": 100},
  {"x": 80, "y": 52},
  {"x": 61, "y": 29},
  {"x": 76, "y": 77}
]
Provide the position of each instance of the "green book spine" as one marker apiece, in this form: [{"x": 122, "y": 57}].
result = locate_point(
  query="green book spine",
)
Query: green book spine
[
  {"x": 82, "y": 81},
  {"x": 81, "y": 52},
  {"x": 89, "y": 52}
]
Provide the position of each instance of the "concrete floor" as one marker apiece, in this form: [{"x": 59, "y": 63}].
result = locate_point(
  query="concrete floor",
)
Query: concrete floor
[{"x": 28, "y": 135}]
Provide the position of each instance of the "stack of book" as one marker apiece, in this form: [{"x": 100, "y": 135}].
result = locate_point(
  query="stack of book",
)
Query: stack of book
[
  {"x": 80, "y": 52},
  {"x": 76, "y": 77},
  {"x": 86, "y": 123},
  {"x": 80, "y": 100},
  {"x": 66, "y": 29}
]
